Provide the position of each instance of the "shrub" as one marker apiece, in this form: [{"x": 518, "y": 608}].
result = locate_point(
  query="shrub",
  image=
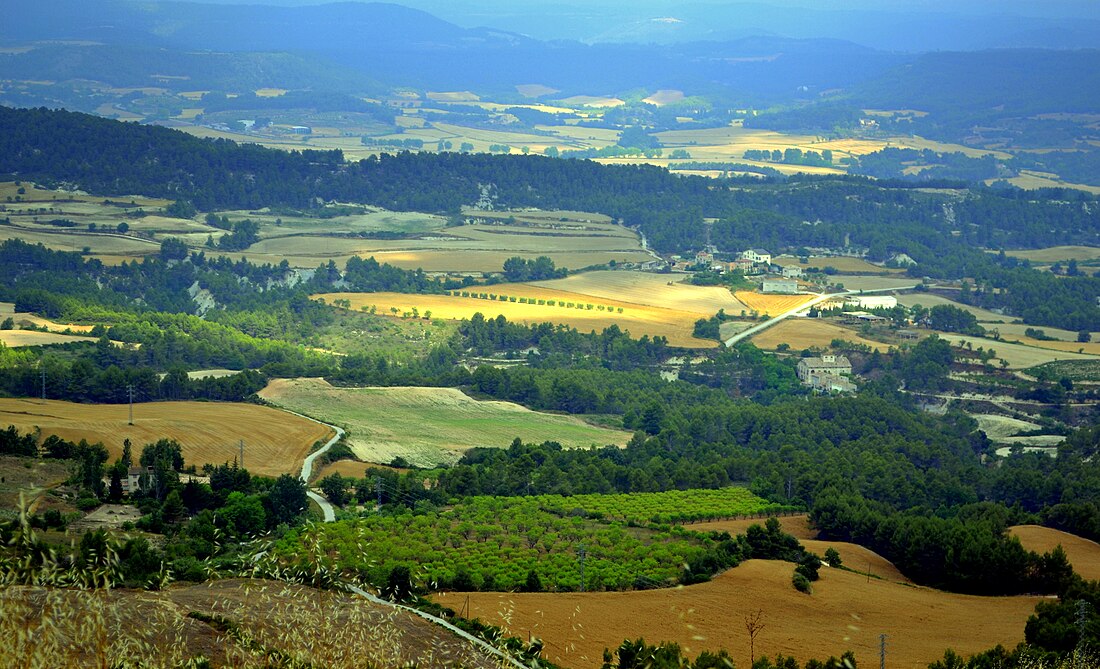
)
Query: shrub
[{"x": 801, "y": 583}]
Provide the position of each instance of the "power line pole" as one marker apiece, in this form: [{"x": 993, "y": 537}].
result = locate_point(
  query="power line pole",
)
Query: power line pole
[
  {"x": 378, "y": 489},
  {"x": 43, "y": 384},
  {"x": 240, "y": 445},
  {"x": 130, "y": 390},
  {"x": 583, "y": 554},
  {"x": 882, "y": 651}
]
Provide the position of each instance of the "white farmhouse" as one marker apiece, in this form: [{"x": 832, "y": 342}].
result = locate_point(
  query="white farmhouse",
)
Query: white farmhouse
[{"x": 757, "y": 255}]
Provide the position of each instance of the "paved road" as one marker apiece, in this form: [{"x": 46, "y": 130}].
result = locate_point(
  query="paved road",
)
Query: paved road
[
  {"x": 806, "y": 307},
  {"x": 442, "y": 623},
  {"x": 307, "y": 466}
]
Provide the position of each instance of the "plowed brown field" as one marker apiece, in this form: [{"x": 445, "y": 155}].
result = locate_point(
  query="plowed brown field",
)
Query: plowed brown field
[
  {"x": 275, "y": 442},
  {"x": 845, "y": 611}
]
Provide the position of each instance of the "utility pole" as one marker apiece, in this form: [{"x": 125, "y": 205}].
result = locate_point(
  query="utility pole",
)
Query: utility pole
[
  {"x": 43, "y": 384},
  {"x": 241, "y": 447},
  {"x": 378, "y": 489},
  {"x": 1082, "y": 620},
  {"x": 582, "y": 554},
  {"x": 882, "y": 651},
  {"x": 130, "y": 390}
]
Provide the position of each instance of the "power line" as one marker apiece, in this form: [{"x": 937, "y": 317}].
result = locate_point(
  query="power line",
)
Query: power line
[{"x": 130, "y": 391}]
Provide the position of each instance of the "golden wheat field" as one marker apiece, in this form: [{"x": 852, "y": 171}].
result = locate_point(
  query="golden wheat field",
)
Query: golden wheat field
[
  {"x": 771, "y": 304},
  {"x": 802, "y": 333},
  {"x": 275, "y": 442},
  {"x": 655, "y": 290},
  {"x": 637, "y": 319},
  {"x": 847, "y": 611},
  {"x": 1083, "y": 554}
]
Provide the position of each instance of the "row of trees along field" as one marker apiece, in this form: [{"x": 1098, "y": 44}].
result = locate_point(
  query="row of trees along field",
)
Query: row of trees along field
[{"x": 943, "y": 234}]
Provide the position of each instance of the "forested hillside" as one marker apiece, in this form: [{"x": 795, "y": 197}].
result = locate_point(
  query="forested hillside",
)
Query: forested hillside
[{"x": 943, "y": 233}]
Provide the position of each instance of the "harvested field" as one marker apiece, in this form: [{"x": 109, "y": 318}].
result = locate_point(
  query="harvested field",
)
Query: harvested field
[
  {"x": 1015, "y": 331},
  {"x": 998, "y": 427},
  {"x": 840, "y": 263},
  {"x": 275, "y": 442},
  {"x": 853, "y": 556},
  {"x": 771, "y": 304},
  {"x": 1083, "y": 554},
  {"x": 637, "y": 319},
  {"x": 20, "y": 338},
  {"x": 797, "y": 526},
  {"x": 1018, "y": 356},
  {"x": 304, "y": 626},
  {"x": 351, "y": 468},
  {"x": 428, "y": 426},
  {"x": 1054, "y": 254},
  {"x": 928, "y": 301},
  {"x": 853, "y": 282},
  {"x": 846, "y": 611},
  {"x": 655, "y": 290},
  {"x": 802, "y": 333}
]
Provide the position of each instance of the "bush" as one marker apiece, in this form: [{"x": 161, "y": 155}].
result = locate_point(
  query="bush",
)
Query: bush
[
  {"x": 87, "y": 503},
  {"x": 801, "y": 583}
]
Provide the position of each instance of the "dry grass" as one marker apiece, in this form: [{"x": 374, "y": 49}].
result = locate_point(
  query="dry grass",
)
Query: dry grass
[
  {"x": 873, "y": 282},
  {"x": 428, "y": 426},
  {"x": 771, "y": 304},
  {"x": 21, "y": 338},
  {"x": 251, "y": 624},
  {"x": 928, "y": 301},
  {"x": 841, "y": 263},
  {"x": 275, "y": 442},
  {"x": 846, "y": 611},
  {"x": 591, "y": 101},
  {"x": 30, "y": 477},
  {"x": 1018, "y": 356},
  {"x": 637, "y": 319},
  {"x": 1054, "y": 254},
  {"x": 1083, "y": 554},
  {"x": 802, "y": 333},
  {"x": 351, "y": 468}
]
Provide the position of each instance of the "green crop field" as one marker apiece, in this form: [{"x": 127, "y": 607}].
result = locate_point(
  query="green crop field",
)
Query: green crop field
[
  {"x": 429, "y": 426},
  {"x": 497, "y": 541},
  {"x": 674, "y": 506}
]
